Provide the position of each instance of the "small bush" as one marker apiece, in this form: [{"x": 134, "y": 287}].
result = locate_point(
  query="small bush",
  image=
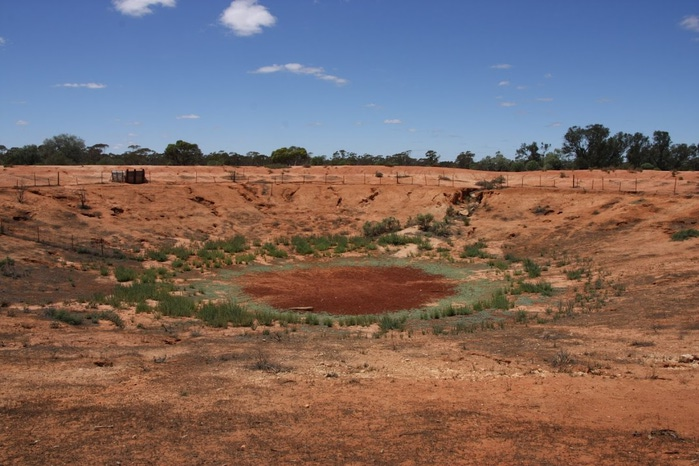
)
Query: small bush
[
  {"x": 301, "y": 245},
  {"x": 376, "y": 229},
  {"x": 495, "y": 183},
  {"x": 124, "y": 274},
  {"x": 272, "y": 250},
  {"x": 532, "y": 268},
  {"x": 70, "y": 318},
  {"x": 686, "y": 234},
  {"x": 475, "y": 250},
  {"x": 157, "y": 255}
]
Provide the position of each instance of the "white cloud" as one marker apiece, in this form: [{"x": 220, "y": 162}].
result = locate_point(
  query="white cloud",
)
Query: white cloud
[
  {"x": 508, "y": 104},
  {"x": 548, "y": 76},
  {"x": 246, "y": 17},
  {"x": 82, "y": 85},
  {"x": 2, "y": 41},
  {"x": 22, "y": 123},
  {"x": 555, "y": 124},
  {"x": 521, "y": 88},
  {"x": 191, "y": 116},
  {"x": 691, "y": 23},
  {"x": 139, "y": 8},
  {"x": 501, "y": 66},
  {"x": 504, "y": 83},
  {"x": 545, "y": 99},
  {"x": 373, "y": 105},
  {"x": 393, "y": 121},
  {"x": 297, "y": 68}
]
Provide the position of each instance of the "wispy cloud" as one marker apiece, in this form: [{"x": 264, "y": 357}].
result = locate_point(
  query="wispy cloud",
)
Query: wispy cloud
[
  {"x": 393, "y": 121},
  {"x": 501, "y": 66},
  {"x": 548, "y": 76},
  {"x": 191, "y": 116},
  {"x": 545, "y": 99},
  {"x": 373, "y": 105},
  {"x": 22, "y": 123},
  {"x": 2, "y": 41},
  {"x": 508, "y": 104},
  {"x": 297, "y": 68},
  {"x": 82, "y": 85},
  {"x": 690, "y": 23},
  {"x": 246, "y": 17},
  {"x": 504, "y": 83},
  {"x": 555, "y": 124},
  {"x": 139, "y": 8}
]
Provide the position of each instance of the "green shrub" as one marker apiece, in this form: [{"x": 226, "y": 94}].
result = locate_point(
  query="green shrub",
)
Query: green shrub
[
  {"x": 475, "y": 250},
  {"x": 532, "y": 268},
  {"x": 685, "y": 234},
  {"x": 376, "y": 229},
  {"x": 272, "y": 250},
  {"x": 301, "y": 245},
  {"x": 71, "y": 318},
  {"x": 575, "y": 274},
  {"x": 495, "y": 183},
  {"x": 157, "y": 255},
  {"x": 245, "y": 258},
  {"x": 124, "y": 274}
]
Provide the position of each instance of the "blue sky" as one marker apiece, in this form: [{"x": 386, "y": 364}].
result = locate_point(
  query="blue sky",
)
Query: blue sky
[{"x": 366, "y": 76}]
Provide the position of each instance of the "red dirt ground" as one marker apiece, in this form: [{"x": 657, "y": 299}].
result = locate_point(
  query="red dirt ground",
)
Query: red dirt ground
[
  {"x": 610, "y": 384},
  {"x": 348, "y": 290}
]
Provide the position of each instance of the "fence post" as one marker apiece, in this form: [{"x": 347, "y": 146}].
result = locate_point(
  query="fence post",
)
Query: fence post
[
  {"x": 635, "y": 188},
  {"x": 593, "y": 186},
  {"x": 58, "y": 179},
  {"x": 34, "y": 179},
  {"x": 573, "y": 179},
  {"x": 602, "y": 184},
  {"x": 674, "y": 191},
  {"x": 523, "y": 182}
]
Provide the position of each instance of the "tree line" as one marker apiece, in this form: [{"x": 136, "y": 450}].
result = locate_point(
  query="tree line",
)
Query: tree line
[{"x": 593, "y": 146}]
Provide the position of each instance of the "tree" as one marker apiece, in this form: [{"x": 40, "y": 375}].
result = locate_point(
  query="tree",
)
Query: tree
[
  {"x": 465, "y": 159},
  {"x": 528, "y": 152},
  {"x": 95, "y": 153},
  {"x": 592, "y": 147},
  {"x": 290, "y": 156},
  {"x": 183, "y": 153},
  {"x": 638, "y": 150},
  {"x": 25, "y": 155},
  {"x": 431, "y": 158},
  {"x": 660, "y": 153},
  {"x": 64, "y": 149}
]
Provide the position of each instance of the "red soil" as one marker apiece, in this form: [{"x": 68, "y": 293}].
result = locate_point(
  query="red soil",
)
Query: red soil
[{"x": 348, "y": 290}]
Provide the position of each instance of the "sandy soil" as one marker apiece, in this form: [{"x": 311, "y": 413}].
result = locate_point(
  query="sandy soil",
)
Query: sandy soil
[{"x": 612, "y": 382}]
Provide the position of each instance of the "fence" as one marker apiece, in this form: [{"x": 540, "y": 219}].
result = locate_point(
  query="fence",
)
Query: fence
[
  {"x": 596, "y": 181},
  {"x": 94, "y": 245}
]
